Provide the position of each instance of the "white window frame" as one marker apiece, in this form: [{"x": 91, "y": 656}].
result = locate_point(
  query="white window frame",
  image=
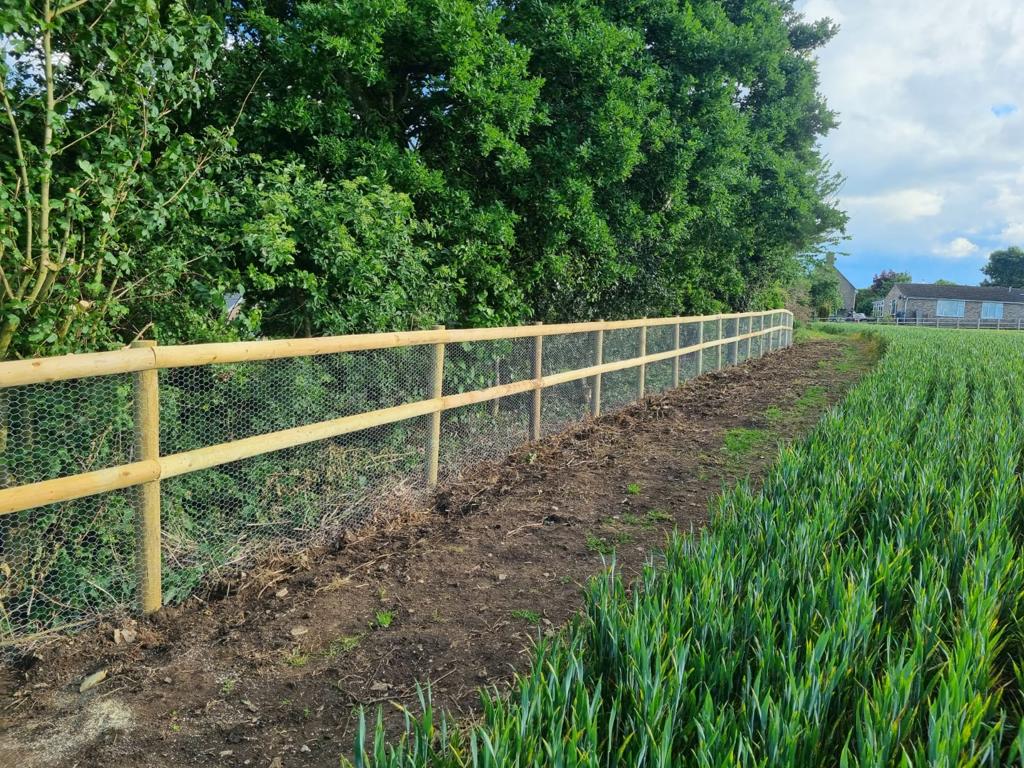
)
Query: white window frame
[
  {"x": 991, "y": 310},
  {"x": 949, "y": 307}
]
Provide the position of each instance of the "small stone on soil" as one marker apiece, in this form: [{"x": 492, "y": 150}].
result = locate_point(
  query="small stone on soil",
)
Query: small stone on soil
[{"x": 92, "y": 680}]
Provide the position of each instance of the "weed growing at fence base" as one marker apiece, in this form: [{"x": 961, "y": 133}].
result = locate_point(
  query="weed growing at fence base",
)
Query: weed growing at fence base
[{"x": 865, "y": 609}]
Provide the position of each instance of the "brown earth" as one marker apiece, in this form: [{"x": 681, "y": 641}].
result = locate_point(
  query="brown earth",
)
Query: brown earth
[{"x": 271, "y": 671}]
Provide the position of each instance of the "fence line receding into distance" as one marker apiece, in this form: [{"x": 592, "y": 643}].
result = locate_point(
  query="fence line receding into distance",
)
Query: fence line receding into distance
[{"x": 126, "y": 476}]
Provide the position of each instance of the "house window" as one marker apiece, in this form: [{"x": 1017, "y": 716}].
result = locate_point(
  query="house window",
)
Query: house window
[
  {"x": 992, "y": 310},
  {"x": 949, "y": 308}
]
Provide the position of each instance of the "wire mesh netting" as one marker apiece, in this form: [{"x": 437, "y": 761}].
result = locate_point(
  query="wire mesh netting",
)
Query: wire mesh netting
[{"x": 65, "y": 562}]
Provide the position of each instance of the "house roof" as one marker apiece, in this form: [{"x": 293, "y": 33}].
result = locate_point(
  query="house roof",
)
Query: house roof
[
  {"x": 844, "y": 279},
  {"x": 961, "y": 292}
]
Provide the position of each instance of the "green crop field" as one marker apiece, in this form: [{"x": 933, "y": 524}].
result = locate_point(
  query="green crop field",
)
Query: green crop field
[{"x": 866, "y": 608}]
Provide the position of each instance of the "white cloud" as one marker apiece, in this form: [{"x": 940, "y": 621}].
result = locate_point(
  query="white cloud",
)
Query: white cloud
[
  {"x": 928, "y": 141},
  {"x": 902, "y": 205},
  {"x": 958, "y": 248},
  {"x": 1013, "y": 233}
]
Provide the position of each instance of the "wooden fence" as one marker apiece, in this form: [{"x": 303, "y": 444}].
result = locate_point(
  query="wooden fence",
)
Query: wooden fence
[
  {"x": 145, "y": 360},
  {"x": 959, "y": 323}
]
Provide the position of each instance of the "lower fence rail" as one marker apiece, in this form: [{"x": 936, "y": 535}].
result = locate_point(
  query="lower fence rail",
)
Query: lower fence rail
[{"x": 521, "y": 362}]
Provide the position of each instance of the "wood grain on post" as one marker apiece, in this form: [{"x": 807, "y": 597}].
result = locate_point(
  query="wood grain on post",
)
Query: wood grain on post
[
  {"x": 736, "y": 343},
  {"x": 676, "y": 360},
  {"x": 147, "y": 517},
  {"x": 436, "y": 391},
  {"x": 700, "y": 352},
  {"x": 720, "y": 331},
  {"x": 537, "y": 371},
  {"x": 595, "y": 388},
  {"x": 643, "y": 366}
]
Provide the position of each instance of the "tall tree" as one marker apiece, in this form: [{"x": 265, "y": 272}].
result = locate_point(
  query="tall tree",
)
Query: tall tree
[
  {"x": 1005, "y": 267},
  {"x": 92, "y": 167},
  {"x": 881, "y": 284},
  {"x": 823, "y": 289},
  {"x": 425, "y": 98},
  {"x": 563, "y": 159},
  {"x": 402, "y": 163}
]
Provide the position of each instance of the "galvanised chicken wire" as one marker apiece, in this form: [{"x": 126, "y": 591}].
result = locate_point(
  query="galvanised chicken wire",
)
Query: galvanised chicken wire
[{"x": 62, "y": 563}]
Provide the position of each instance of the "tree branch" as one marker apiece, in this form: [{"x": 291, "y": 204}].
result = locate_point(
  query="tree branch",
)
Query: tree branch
[{"x": 23, "y": 167}]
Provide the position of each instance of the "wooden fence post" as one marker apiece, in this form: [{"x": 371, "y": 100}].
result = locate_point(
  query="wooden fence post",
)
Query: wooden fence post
[
  {"x": 147, "y": 518},
  {"x": 536, "y": 371},
  {"x": 436, "y": 390},
  {"x": 736, "y": 343},
  {"x": 675, "y": 360},
  {"x": 595, "y": 389},
  {"x": 719, "y": 345},
  {"x": 700, "y": 352},
  {"x": 642, "y": 366}
]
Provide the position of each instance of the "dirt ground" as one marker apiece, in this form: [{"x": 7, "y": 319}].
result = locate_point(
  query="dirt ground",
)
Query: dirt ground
[{"x": 271, "y": 671}]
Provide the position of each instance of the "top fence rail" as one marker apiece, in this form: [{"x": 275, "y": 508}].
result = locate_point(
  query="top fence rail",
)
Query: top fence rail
[{"x": 16, "y": 373}]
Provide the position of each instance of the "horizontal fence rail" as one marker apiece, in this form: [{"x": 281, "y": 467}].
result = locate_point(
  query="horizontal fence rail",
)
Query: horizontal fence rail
[
  {"x": 48, "y": 398},
  {"x": 961, "y": 323}
]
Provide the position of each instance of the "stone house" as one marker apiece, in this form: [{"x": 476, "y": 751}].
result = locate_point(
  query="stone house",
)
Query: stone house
[
  {"x": 960, "y": 304},
  {"x": 847, "y": 291}
]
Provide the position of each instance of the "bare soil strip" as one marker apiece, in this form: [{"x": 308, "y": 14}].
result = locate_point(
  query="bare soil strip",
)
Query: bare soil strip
[{"x": 269, "y": 671}]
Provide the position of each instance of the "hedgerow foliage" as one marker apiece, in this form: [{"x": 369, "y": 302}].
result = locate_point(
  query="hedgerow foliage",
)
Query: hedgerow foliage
[{"x": 371, "y": 164}]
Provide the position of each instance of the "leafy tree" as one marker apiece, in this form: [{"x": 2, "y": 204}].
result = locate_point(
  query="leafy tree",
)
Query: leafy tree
[
  {"x": 93, "y": 168},
  {"x": 881, "y": 284},
  {"x": 318, "y": 257},
  {"x": 1005, "y": 267},
  {"x": 426, "y": 98},
  {"x": 823, "y": 289},
  {"x": 564, "y": 159},
  {"x": 402, "y": 164}
]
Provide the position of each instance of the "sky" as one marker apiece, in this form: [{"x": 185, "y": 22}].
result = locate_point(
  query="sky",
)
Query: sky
[{"x": 930, "y": 96}]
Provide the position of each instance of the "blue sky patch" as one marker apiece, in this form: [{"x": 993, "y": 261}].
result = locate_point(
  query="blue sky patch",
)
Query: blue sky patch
[{"x": 1003, "y": 110}]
